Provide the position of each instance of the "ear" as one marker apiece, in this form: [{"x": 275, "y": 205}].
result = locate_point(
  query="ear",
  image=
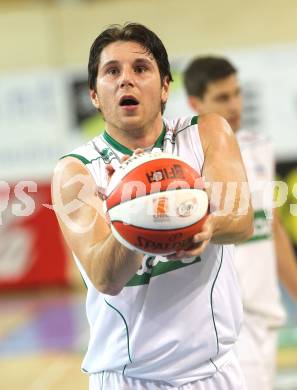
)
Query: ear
[
  {"x": 94, "y": 98},
  {"x": 165, "y": 90},
  {"x": 196, "y": 104}
]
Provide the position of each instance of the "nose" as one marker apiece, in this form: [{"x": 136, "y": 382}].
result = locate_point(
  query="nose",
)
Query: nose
[
  {"x": 235, "y": 105},
  {"x": 127, "y": 78}
]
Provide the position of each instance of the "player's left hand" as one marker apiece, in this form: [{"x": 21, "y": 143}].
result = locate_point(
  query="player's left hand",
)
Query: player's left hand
[
  {"x": 198, "y": 244},
  {"x": 100, "y": 191}
]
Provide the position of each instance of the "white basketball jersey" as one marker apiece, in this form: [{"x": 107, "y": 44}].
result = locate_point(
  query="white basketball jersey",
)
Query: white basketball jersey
[
  {"x": 174, "y": 321},
  {"x": 255, "y": 259}
]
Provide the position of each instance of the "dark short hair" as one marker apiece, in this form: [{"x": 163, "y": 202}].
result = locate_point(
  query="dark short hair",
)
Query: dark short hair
[
  {"x": 204, "y": 70},
  {"x": 128, "y": 32}
]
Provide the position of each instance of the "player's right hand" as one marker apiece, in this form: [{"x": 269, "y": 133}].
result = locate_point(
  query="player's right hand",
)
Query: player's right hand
[{"x": 199, "y": 242}]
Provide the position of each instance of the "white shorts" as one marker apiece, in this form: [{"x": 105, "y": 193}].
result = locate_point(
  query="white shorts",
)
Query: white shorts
[
  {"x": 228, "y": 377},
  {"x": 256, "y": 348}
]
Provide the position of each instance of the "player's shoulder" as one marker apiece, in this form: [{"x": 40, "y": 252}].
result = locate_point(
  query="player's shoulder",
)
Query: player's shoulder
[
  {"x": 179, "y": 124},
  {"x": 76, "y": 161},
  {"x": 213, "y": 121},
  {"x": 214, "y": 129},
  {"x": 209, "y": 126},
  {"x": 210, "y": 120},
  {"x": 85, "y": 153}
]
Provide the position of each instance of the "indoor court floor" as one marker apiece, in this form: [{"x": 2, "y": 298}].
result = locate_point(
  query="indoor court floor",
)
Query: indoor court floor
[{"x": 43, "y": 336}]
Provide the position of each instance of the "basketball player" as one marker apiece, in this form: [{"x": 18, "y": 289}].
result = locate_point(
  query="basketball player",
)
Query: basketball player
[
  {"x": 212, "y": 86},
  {"x": 155, "y": 322}
]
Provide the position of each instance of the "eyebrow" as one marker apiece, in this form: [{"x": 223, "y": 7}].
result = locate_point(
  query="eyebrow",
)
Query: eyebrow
[
  {"x": 141, "y": 60},
  {"x": 111, "y": 62}
]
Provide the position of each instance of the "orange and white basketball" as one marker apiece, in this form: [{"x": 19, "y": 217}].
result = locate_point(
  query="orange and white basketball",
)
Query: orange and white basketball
[{"x": 156, "y": 203}]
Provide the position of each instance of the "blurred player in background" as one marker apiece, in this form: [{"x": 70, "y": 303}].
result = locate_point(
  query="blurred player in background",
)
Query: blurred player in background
[
  {"x": 212, "y": 86},
  {"x": 152, "y": 329}
]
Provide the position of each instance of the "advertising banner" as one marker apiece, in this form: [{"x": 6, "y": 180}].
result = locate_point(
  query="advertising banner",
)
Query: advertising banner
[{"x": 32, "y": 251}]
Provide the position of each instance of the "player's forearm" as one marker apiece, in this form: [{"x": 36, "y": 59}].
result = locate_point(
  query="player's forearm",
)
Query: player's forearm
[
  {"x": 112, "y": 266},
  {"x": 286, "y": 260},
  {"x": 233, "y": 212},
  {"x": 232, "y": 228}
]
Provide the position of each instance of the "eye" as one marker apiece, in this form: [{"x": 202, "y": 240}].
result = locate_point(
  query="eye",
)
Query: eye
[
  {"x": 112, "y": 71},
  {"x": 222, "y": 98},
  {"x": 140, "y": 69}
]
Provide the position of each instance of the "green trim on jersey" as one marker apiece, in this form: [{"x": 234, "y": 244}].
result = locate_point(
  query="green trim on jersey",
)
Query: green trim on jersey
[
  {"x": 106, "y": 154},
  {"x": 262, "y": 227},
  {"x": 115, "y": 144},
  {"x": 194, "y": 120},
  {"x": 81, "y": 158},
  {"x": 160, "y": 140},
  {"x": 158, "y": 269},
  {"x": 123, "y": 149},
  {"x": 127, "y": 331}
]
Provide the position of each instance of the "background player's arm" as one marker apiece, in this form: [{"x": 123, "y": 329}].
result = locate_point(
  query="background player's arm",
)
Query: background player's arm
[
  {"x": 108, "y": 264},
  {"x": 286, "y": 259},
  {"x": 223, "y": 164}
]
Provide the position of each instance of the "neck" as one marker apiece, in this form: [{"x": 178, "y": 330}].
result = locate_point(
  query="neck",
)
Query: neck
[{"x": 140, "y": 137}]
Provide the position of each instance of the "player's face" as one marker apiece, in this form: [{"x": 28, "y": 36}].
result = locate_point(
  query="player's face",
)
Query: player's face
[
  {"x": 129, "y": 91},
  {"x": 223, "y": 97}
]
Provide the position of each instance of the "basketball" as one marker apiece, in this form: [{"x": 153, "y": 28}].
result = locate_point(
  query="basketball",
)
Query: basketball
[{"x": 156, "y": 203}]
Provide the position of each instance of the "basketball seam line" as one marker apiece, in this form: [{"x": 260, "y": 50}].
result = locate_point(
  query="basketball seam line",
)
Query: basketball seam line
[
  {"x": 158, "y": 192},
  {"x": 178, "y": 228}
]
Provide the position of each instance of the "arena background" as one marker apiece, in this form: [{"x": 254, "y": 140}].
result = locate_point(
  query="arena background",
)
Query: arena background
[{"x": 45, "y": 112}]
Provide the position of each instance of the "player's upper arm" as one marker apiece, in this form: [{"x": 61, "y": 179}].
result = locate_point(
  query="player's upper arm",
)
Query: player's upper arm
[
  {"x": 223, "y": 160},
  {"x": 78, "y": 208},
  {"x": 223, "y": 166}
]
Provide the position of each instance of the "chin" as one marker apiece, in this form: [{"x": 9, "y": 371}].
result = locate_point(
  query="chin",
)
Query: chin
[
  {"x": 235, "y": 126},
  {"x": 130, "y": 123},
  {"x": 130, "y": 119}
]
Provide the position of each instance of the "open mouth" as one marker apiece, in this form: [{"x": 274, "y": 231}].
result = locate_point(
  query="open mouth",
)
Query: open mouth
[{"x": 128, "y": 101}]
